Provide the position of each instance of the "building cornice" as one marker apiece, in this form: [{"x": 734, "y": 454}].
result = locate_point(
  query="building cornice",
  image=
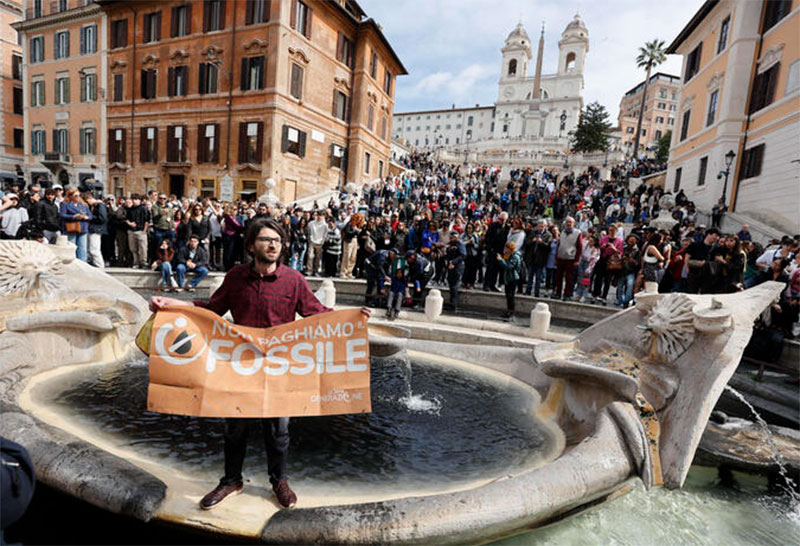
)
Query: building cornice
[{"x": 57, "y": 18}]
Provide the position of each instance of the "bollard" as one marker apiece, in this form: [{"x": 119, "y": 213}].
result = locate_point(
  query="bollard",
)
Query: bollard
[
  {"x": 433, "y": 305},
  {"x": 540, "y": 320}
]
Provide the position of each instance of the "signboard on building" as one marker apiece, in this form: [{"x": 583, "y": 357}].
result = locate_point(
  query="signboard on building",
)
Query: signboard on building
[{"x": 226, "y": 188}]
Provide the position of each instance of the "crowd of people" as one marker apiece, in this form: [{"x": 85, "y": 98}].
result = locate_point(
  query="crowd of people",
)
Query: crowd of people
[{"x": 535, "y": 232}]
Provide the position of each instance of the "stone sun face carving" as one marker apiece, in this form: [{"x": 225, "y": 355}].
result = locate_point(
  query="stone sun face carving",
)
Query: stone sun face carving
[
  {"x": 28, "y": 268},
  {"x": 670, "y": 327}
]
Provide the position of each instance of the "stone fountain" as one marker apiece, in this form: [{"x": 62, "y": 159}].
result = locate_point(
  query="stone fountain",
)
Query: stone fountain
[{"x": 624, "y": 402}]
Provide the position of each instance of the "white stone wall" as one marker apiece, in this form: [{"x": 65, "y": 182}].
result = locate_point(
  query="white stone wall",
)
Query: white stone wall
[{"x": 774, "y": 196}]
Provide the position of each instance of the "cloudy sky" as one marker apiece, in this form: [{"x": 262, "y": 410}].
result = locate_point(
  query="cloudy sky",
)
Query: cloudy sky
[{"x": 451, "y": 48}]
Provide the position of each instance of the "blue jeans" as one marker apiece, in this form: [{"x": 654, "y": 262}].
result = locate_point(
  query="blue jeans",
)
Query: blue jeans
[
  {"x": 166, "y": 272},
  {"x": 199, "y": 274},
  {"x": 298, "y": 257},
  {"x": 625, "y": 289},
  {"x": 539, "y": 272},
  {"x": 81, "y": 241}
]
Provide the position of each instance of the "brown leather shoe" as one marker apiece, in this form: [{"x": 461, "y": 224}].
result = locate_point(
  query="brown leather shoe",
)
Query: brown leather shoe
[
  {"x": 219, "y": 494},
  {"x": 284, "y": 493}
]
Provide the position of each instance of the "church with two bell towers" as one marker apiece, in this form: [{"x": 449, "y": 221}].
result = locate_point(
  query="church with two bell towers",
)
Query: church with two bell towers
[
  {"x": 541, "y": 106},
  {"x": 536, "y": 111}
]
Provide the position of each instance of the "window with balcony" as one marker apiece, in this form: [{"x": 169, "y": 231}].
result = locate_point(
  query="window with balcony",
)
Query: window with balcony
[
  {"x": 207, "y": 81},
  {"x": 88, "y": 39},
  {"x": 16, "y": 67},
  {"x": 181, "y": 21},
  {"x": 61, "y": 45},
  {"x": 61, "y": 140},
  {"x": 251, "y": 140},
  {"x": 148, "y": 144},
  {"x": 151, "y": 27},
  {"x": 293, "y": 141},
  {"x": 176, "y": 143},
  {"x": 301, "y": 18},
  {"x": 256, "y": 11},
  {"x": 62, "y": 90},
  {"x": 177, "y": 81},
  {"x": 296, "y": 83},
  {"x": 213, "y": 15},
  {"x": 208, "y": 143},
  {"x": 116, "y": 145},
  {"x": 345, "y": 50},
  {"x": 341, "y": 105},
  {"x": 88, "y": 138},
  {"x": 148, "y": 84},
  {"x": 119, "y": 33},
  {"x": 252, "y": 73},
  {"x": 88, "y": 87}
]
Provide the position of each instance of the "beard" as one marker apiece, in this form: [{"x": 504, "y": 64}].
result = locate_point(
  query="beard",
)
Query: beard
[{"x": 264, "y": 259}]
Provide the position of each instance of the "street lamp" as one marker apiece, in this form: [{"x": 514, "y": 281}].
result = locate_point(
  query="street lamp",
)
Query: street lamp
[{"x": 728, "y": 162}]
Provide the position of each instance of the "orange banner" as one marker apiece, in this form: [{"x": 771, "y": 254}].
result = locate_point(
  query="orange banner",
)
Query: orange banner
[{"x": 205, "y": 366}]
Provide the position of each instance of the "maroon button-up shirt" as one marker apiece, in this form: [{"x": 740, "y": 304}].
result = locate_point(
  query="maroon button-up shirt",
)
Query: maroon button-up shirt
[{"x": 264, "y": 301}]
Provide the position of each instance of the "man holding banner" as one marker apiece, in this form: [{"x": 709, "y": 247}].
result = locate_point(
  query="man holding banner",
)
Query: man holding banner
[{"x": 262, "y": 293}]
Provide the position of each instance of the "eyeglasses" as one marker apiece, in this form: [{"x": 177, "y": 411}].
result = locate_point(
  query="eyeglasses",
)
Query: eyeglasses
[{"x": 269, "y": 240}]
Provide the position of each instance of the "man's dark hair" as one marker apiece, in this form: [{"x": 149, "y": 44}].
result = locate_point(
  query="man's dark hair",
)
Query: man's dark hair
[
  {"x": 255, "y": 228},
  {"x": 711, "y": 231},
  {"x": 49, "y": 191}
]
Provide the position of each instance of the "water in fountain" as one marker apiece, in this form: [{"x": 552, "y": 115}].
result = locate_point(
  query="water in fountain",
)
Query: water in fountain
[
  {"x": 788, "y": 483},
  {"x": 484, "y": 427},
  {"x": 416, "y": 402}
]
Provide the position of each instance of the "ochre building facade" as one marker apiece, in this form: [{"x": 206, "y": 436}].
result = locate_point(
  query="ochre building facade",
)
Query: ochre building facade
[
  {"x": 740, "y": 94},
  {"x": 211, "y": 98}
]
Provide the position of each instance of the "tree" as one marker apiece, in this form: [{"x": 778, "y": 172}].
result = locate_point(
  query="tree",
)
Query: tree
[
  {"x": 662, "y": 153},
  {"x": 650, "y": 56},
  {"x": 591, "y": 135}
]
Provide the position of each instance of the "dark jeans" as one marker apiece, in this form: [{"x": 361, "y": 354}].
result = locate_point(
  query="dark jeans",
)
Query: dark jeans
[
  {"x": 492, "y": 269},
  {"x": 511, "y": 292},
  {"x": 564, "y": 269},
  {"x": 602, "y": 279},
  {"x": 537, "y": 271},
  {"x": 375, "y": 282},
  {"x": 276, "y": 441},
  {"x": 229, "y": 249},
  {"x": 454, "y": 282}
]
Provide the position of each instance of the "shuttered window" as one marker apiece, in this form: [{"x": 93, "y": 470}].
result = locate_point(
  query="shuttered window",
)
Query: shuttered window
[
  {"x": 252, "y": 73},
  {"x": 296, "y": 85},
  {"x": 119, "y": 33},
  {"x": 116, "y": 145},
  {"x": 293, "y": 141},
  {"x": 181, "y": 21},
  {"x": 208, "y": 143},
  {"x": 208, "y": 76},
  {"x": 256, "y": 11},
  {"x": 213, "y": 15},
  {"x": 88, "y": 39},
  {"x": 301, "y": 16},
  {"x": 176, "y": 143},
  {"x": 148, "y": 84},
  {"x": 151, "y": 30},
  {"x": 177, "y": 81},
  {"x": 148, "y": 144},
  {"x": 251, "y": 141}
]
